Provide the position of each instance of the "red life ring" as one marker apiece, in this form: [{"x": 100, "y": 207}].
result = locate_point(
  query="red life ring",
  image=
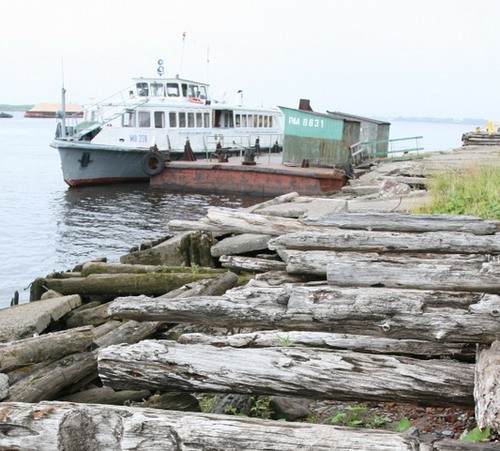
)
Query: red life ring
[{"x": 195, "y": 100}]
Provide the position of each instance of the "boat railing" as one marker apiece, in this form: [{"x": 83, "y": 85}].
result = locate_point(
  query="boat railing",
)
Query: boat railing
[{"x": 385, "y": 148}]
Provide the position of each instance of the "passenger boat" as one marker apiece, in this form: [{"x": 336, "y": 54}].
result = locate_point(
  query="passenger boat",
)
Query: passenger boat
[{"x": 131, "y": 135}]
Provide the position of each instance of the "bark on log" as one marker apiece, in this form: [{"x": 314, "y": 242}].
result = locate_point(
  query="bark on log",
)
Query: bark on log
[
  {"x": 359, "y": 343},
  {"x": 47, "y": 347},
  {"x": 486, "y": 388},
  {"x": 398, "y": 222},
  {"x": 365, "y": 241},
  {"x": 125, "y": 284},
  {"x": 408, "y": 314},
  {"x": 58, "y": 425},
  {"x": 302, "y": 372}
]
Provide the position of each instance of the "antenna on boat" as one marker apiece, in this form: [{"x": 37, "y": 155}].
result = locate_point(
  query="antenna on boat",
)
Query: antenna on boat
[
  {"x": 63, "y": 103},
  {"x": 182, "y": 52},
  {"x": 208, "y": 63}
]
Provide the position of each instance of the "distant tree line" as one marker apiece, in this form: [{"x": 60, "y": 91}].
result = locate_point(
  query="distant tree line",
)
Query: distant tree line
[{"x": 4, "y": 107}]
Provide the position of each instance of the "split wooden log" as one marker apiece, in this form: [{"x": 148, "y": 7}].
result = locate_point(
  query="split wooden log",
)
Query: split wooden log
[
  {"x": 59, "y": 425},
  {"x": 251, "y": 264},
  {"x": 359, "y": 343},
  {"x": 302, "y": 372},
  {"x": 406, "y": 314},
  {"x": 367, "y": 241},
  {"x": 113, "y": 285},
  {"x": 47, "y": 347},
  {"x": 486, "y": 388},
  {"x": 398, "y": 222},
  {"x": 48, "y": 381}
]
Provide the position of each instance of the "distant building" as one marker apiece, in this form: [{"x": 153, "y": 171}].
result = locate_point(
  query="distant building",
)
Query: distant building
[{"x": 54, "y": 110}]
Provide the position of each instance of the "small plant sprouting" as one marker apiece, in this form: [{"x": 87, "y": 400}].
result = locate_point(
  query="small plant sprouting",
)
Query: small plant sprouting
[
  {"x": 476, "y": 435},
  {"x": 285, "y": 341}
]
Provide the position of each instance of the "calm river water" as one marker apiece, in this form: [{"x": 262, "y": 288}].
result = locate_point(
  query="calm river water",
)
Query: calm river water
[{"x": 46, "y": 226}]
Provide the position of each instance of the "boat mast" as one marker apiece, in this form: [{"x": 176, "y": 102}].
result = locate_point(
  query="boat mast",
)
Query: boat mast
[{"x": 63, "y": 104}]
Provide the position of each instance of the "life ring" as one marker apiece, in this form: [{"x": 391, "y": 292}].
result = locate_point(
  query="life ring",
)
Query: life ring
[
  {"x": 153, "y": 163},
  {"x": 195, "y": 100}
]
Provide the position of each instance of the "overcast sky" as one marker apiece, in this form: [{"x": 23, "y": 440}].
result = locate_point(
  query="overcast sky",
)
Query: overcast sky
[{"x": 390, "y": 58}]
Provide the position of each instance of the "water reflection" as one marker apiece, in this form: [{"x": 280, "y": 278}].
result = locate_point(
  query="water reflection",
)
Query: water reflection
[{"x": 109, "y": 220}]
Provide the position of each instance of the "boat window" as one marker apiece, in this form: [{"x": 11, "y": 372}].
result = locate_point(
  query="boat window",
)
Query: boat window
[
  {"x": 157, "y": 89},
  {"x": 159, "y": 119},
  {"x": 255, "y": 120},
  {"x": 270, "y": 121},
  {"x": 142, "y": 89},
  {"x": 243, "y": 120},
  {"x": 228, "y": 119},
  {"x": 128, "y": 119},
  {"x": 172, "y": 89},
  {"x": 203, "y": 92},
  {"x": 260, "y": 120},
  {"x": 237, "y": 120},
  {"x": 266, "y": 121},
  {"x": 199, "y": 120},
  {"x": 172, "y": 118},
  {"x": 144, "y": 119},
  {"x": 193, "y": 91},
  {"x": 190, "y": 119},
  {"x": 206, "y": 120},
  {"x": 182, "y": 120},
  {"x": 184, "y": 89}
]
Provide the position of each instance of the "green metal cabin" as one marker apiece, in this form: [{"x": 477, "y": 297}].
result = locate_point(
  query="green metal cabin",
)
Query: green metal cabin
[{"x": 319, "y": 138}]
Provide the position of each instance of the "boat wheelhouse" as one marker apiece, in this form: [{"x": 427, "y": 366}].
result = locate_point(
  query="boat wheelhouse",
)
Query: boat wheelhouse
[{"x": 129, "y": 136}]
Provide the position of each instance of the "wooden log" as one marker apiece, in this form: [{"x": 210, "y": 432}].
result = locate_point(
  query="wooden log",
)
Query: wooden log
[
  {"x": 398, "y": 222},
  {"x": 359, "y": 343},
  {"x": 235, "y": 221},
  {"x": 59, "y": 425},
  {"x": 89, "y": 317},
  {"x": 302, "y": 372},
  {"x": 48, "y": 381},
  {"x": 125, "y": 284},
  {"x": 393, "y": 313},
  {"x": 315, "y": 262},
  {"x": 106, "y": 395},
  {"x": 251, "y": 263},
  {"x": 367, "y": 241},
  {"x": 119, "y": 268},
  {"x": 486, "y": 388},
  {"x": 284, "y": 198},
  {"x": 470, "y": 276},
  {"x": 129, "y": 332},
  {"x": 46, "y": 347}
]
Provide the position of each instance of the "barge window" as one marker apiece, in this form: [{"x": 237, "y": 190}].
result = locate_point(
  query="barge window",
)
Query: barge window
[
  {"x": 159, "y": 119},
  {"x": 172, "y": 89},
  {"x": 142, "y": 89},
  {"x": 206, "y": 120},
  {"x": 157, "y": 89},
  {"x": 172, "y": 118},
  {"x": 237, "y": 120},
  {"x": 199, "y": 120},
  {"x": 128, "y": 119},
  {"x": 144, "y": 119},
  {"x": 190, "y": 119},
  {"x": 182, "y": 120}
]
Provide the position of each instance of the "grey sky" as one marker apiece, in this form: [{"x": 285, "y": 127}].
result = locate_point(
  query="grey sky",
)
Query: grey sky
[{"x": 370, "y": 57}]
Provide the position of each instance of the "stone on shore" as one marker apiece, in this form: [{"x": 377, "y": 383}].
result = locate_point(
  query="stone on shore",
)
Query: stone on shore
[{"x": 25, "y": 320}]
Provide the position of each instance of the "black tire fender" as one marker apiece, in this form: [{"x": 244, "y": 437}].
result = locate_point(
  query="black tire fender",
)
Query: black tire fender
[{"x": 152, "y": 163}]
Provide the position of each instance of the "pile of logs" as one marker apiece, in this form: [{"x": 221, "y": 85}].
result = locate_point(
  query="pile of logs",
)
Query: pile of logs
[{"x": 340, "y": 306}]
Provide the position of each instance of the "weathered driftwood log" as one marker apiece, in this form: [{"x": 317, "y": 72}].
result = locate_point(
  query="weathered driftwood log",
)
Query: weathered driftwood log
[
  {"x": 359, "y": 343},
  {"x": 411, "y": 314},
  {"x": 251, "y": 264},
  {"x": 58, "y": 425},
  {"x": 284, "y": 198},
  {"x": 303, "y": 372},
  {"x": 486, "y": 388},
  {"x": 106, "y": 395},
  {"x": 424, "y": 271},
  {"x": 129, "y": 332},
  {"x": 89, "y": 317},
  {"x": 242, "y": 222},
  {"x": 48, "y": 381},
  {"x": 47, "y": 347},
  {"x": 368, "y": 241},
  {"x": 426, "y": 275},
  {"x": 398, "y": 222},
  {"x": 119, "y": 268},
  {"x": 152, "y": 284}
]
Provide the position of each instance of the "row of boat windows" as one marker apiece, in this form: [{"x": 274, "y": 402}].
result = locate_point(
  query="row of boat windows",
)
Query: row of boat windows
[
  {"x": 195, "y": 119},
  {"x": 171, "y": 89}
]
